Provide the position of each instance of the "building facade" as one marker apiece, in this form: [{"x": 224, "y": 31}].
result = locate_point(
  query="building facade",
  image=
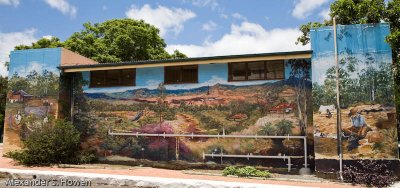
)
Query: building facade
[{"x": 258, "y": 109}]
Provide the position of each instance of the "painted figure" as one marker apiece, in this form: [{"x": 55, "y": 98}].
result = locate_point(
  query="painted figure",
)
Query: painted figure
[{"x": 359, "y": 127}]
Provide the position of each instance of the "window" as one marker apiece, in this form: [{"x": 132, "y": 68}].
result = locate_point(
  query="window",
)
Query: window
[
  {"x": 181, "y": 74},
  {"x": 260, "y": 70},
  {"x": 110, "y": 78}
]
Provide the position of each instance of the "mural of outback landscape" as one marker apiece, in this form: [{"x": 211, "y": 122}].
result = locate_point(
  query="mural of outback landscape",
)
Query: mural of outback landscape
[
  {"x": 32, "y": 98},
  {"x": 366, "y": 95},
  {"x": 213, "y": 106}
]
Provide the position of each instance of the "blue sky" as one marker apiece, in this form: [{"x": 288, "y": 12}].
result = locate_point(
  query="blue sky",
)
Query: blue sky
[{"x": 195, "y": 27}]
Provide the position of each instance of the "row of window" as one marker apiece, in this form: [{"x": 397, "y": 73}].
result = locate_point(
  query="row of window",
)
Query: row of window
[{"x": 260, "y": 70}]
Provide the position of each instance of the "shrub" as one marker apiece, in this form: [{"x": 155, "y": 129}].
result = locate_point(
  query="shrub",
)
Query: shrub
[
  {"x": 284, "y": 127},
  {"x": 247, "y": 171},
  {"x": 52, "y": 143},
  {"x": 369, "y": 173},
  {"x": 268, "y": 129}
]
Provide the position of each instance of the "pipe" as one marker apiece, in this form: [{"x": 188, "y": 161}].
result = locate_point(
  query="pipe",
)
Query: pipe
[
  {"x": 252, "y": 156},
  {"x": 137, "y": 134},
  {"x": 339, "y": 121},
  {"x": 305, "y": 152},
  {"x": 289, "y": 158}
]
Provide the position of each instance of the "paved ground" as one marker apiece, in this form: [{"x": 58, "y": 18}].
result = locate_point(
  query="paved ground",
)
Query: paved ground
[{"x": 145, "y": 176}]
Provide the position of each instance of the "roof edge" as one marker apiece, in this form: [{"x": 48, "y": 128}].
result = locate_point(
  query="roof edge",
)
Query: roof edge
[{"x": 193, "y": 59}]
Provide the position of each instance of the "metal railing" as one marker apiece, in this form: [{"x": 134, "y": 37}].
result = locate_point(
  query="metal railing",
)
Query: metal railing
[
  {"x": 248, "y": 156},
  {"x": 165, "y": 135}
]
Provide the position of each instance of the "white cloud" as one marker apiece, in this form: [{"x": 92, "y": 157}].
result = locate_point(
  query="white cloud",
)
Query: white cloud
[
  {"x": 244, "y": 39},
  {"x": 209, "y": 26},
  {"x": 104, "y": 7},
  {"x": 166, "y": 19},
  {"x": 325, "y": 14},
  {"x": 63, "y": 6},
  {"x": 10, "y": 2},
  {"x": 204, "y": 3},
  {"x": 222, "y": 15},
  {"x": 238, "y": 16},
  {"x": 9, "y": 40},
  {"x": 304, "y": 8}
]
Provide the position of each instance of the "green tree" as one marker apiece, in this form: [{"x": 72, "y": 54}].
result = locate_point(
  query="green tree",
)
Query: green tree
[
  {"x": 119, "y": 40},
  {"x": 301, "y": 74},
  {"x": 116, "y": 40},
  {"x": 53, "y": 42}
]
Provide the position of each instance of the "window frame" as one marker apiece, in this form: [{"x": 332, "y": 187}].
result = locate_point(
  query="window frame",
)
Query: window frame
[
  {"x": 181, "y": 74},
  {"x": 230, "y": 76},
  {"x": 120, "y": 79}
]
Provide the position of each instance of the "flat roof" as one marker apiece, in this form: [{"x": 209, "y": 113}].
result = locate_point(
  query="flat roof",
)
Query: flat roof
[{"x": 189, "y": 61}]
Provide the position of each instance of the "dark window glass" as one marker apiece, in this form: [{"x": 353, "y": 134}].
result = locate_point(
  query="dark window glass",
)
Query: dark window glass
[
  {"x": 275, "y": 70},
  {"x": 256, "y": 71},
  {"x": 113, "y": 77},
  {"x": 238, "y": 71},
  {"x": 189, "y": 74},
  {"x": 260, "y": 70},
  {"x": 97, "y": 78},
  {"x": 128, "y": 77},
  {"x": 109, "y": 78},
  {"x": 181, "y": 74},
  {"x": 172, "y": 74}
]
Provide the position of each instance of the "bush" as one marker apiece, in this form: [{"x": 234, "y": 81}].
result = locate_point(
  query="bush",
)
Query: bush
[
  {"x": 284, "y": 127},
  {"x": 369, "y": 173},
  {"x": 268, "y": 129},
  {"x": 247, "y": 171},
  {"x": 52, "y": 143}
]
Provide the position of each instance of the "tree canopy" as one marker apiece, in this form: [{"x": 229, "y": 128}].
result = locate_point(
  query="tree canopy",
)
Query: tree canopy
[
  {"x": 52, "y": 42},
  {"x": 115, "y": 40}
]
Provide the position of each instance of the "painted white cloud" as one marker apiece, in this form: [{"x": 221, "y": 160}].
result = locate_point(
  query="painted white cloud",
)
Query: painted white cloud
[
  {"x": 209, "y": 26},
  {"x": 244, "y": 39},
  {"x": 166, "y": 19},
  {"x": 9, "y": 40},
  {"x": 325, "y": 14},
  {"x": 10, "y": 2},
  {"x": 38, "y": 67},
  {"x": 304, "y": 8},
  {"x": 62, "y": 6}
]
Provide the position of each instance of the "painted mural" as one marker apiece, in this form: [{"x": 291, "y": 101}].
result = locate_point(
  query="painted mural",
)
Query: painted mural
[
  {"x": 211, "y": 107},
  {"x": 366, "y": 93},
  {"x": 32, "y": 98}
]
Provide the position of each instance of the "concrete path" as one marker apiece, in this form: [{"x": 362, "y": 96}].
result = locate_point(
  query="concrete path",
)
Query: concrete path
[{"x": 146, "y": 177}]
